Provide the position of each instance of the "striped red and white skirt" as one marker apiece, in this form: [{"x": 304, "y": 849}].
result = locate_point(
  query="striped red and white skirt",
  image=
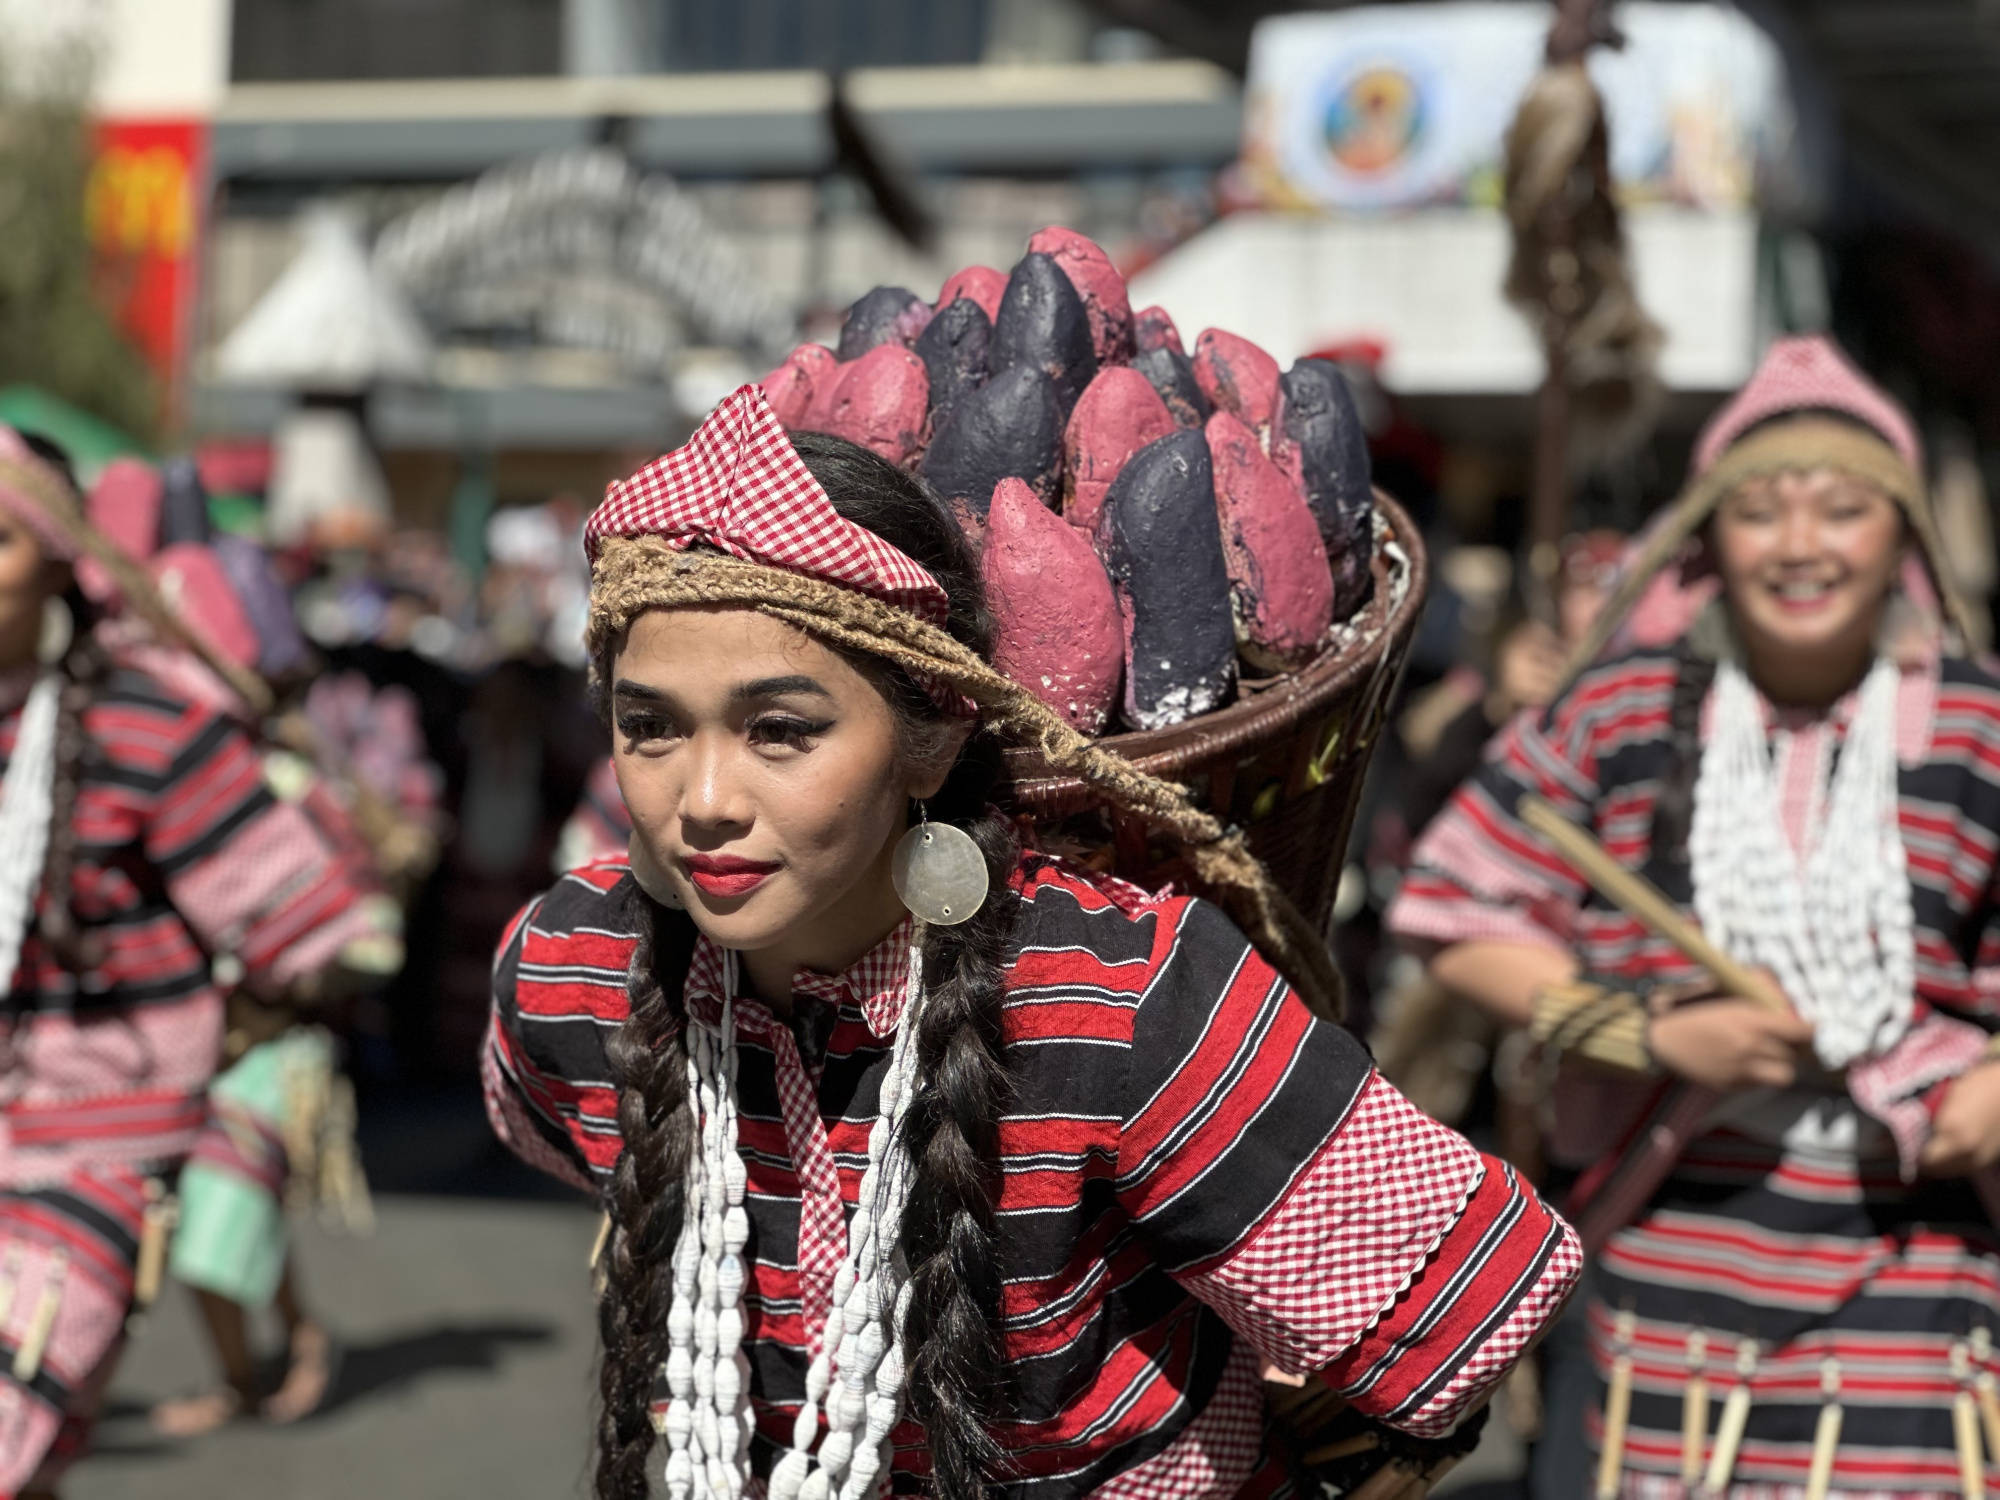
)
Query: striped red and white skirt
[
  {"x": 1796, "y": 1264},
  {"x": 68, "y": 1256}
]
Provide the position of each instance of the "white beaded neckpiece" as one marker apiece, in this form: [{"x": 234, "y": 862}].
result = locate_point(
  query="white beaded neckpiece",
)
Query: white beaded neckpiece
[
  {"x": 1837, "y": 929},
  {"x": 26, "y": 797},
  {"x": 857, "y": 1377}
]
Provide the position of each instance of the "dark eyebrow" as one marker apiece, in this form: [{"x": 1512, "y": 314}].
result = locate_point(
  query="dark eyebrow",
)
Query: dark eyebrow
[
  {"x": 763, "y": 687},
  {"x": 778, "y": 687}
]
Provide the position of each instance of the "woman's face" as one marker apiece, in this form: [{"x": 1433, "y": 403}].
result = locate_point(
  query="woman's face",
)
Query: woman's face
[
  {"x": 763, "y": 775},
  {"x": 27, "y": 578},
  {"x": 1807, "y": 561}
]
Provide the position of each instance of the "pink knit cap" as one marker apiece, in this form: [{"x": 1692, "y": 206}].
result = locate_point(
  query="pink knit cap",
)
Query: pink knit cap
[
  {"x": 57, "y": 539},
  {"x": 1808, "y": 374}
]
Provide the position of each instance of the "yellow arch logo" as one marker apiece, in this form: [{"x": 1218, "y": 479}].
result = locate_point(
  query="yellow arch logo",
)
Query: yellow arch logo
[{"x": 138, "y": 202}]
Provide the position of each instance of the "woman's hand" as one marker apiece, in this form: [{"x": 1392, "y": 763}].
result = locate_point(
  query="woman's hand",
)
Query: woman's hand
[
  {"x": 1965, "y": 1136},
  {"x": 1727, "y": 1044}
]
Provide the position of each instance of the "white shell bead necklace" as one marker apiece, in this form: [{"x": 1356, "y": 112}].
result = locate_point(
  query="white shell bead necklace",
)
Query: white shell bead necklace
[
  {"x": 857, "y": 1377},
  {"x": 26, "y": 798},
  {"x": 1837, "y": 929}
]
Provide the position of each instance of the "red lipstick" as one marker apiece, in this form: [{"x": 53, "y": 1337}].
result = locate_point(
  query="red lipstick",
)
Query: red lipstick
[{"x": 727, "y": 875}]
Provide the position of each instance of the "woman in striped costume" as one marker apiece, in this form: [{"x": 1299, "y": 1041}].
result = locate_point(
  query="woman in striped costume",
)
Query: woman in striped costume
[
  {"x": 1798, "y": 1287},
  {"x": 138, "y": 845},
  {"x": 983, "y": 1175}
]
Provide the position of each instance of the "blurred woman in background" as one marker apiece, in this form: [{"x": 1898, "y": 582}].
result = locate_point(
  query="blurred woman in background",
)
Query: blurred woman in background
[
  {"x": 1797, "y": 1281},
  {"x": 139, "y": 847}
]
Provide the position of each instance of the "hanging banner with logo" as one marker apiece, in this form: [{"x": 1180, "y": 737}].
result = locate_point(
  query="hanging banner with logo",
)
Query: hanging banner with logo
[
  {"x": 144, "y": 208},
  {"x": 1396, "y": 106}
]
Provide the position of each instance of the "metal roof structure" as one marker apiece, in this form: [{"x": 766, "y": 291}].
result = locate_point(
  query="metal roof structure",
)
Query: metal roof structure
[{"x": 1025, "y": 118}]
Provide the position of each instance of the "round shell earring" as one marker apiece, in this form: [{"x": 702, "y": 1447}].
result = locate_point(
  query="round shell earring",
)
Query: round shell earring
[{"x": 939, "y": 872}]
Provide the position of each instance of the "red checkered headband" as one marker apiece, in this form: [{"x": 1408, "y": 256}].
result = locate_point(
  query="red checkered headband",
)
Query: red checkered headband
[{"x": 740, "y": 488}]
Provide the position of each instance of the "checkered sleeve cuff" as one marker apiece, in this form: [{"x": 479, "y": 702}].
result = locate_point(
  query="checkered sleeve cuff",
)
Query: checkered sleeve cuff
[
  {"x": 1491, "y": 1287},
  {"x": 1357, "y": 1225},
  {"x": 1404, "y": 1268}
]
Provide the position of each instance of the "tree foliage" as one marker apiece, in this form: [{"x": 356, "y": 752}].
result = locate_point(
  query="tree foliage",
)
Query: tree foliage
[{"x": 56, "y": 327}]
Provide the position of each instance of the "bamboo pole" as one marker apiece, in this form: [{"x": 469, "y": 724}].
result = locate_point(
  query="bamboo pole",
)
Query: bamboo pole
[{"x": 1639, "y": 897}]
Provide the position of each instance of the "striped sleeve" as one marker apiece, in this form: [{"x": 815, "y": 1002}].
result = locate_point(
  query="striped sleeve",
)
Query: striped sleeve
[
  {"x": 252, "y": 875},
  {"x": 1478, "y": 872},
  {"x": 558, "y": 994},
  {"x": 1333, "y": 1226}
]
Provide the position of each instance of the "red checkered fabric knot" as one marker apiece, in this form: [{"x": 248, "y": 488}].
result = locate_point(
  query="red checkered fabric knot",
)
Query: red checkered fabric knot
[
  {"x": 740, "y": 487},
  {"x": 1808, "y": 374},
  {"x": 878, "y": 982}
]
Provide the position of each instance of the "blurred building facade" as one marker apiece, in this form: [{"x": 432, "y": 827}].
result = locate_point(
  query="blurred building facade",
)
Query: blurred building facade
[
  {"x": 1148, "y": 126},
  {"x": 999, "y": 116}
]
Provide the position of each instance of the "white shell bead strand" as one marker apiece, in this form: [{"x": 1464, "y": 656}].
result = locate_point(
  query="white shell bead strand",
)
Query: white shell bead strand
[{"x": 857, "y": 1377}]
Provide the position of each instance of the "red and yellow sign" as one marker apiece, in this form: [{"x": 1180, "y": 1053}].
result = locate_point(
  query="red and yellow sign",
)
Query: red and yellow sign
[{"x": 144, "y": 208}]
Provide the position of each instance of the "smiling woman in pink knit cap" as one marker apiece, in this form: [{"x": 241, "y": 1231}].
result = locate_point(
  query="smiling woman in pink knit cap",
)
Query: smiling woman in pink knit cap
[{"x": 1797, "y": 1282}]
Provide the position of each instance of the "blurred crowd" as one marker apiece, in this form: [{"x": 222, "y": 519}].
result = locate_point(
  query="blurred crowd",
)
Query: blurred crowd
[{"x": 450, "y": 684}]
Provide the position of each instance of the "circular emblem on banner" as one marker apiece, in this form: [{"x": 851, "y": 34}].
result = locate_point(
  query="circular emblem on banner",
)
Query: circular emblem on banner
[{"x": 1374, "y": 120}]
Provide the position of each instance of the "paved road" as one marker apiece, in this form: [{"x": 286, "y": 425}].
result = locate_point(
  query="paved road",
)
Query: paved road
[{"x": 469, "y": 1343}]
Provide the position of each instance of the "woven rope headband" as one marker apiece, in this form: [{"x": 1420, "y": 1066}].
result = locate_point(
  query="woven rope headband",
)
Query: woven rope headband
[{"x": 635, "y": 574}]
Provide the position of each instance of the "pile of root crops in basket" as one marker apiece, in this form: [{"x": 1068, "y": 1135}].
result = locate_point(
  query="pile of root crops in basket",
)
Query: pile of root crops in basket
[{"x": 1153, "y": 523}]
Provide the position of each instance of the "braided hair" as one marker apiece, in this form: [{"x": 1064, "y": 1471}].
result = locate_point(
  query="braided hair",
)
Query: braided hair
[
  {"x": 1673, "y": 810},
  {"x": 951, "y": 1131}
]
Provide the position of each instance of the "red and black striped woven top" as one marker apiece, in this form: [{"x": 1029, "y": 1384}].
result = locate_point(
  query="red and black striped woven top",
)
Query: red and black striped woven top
[
  {"x": 184, "y": 854},
  {"x": 1603, "y": 752},
  {"x": 1198, "y": 1177}
]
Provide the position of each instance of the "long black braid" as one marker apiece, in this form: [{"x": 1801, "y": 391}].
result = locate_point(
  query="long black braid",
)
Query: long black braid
[
  {"x": 1673, "y": 811},
  {"x": 84, "y": 668},
  {"x": 648, "y": 1056},
  {"x": 952, "y": 1125}
]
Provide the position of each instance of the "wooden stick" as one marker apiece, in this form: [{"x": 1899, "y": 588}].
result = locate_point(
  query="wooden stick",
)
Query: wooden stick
[
  {"x": 1639, "y": 897},
  {"x": 1694, "y": 1410},
  {"x": 1965, "y": 1428},
  {"x": 35, "y": 1343},
  {"x": 1397, "y": 1481},
  {"x": 10, "y": 1278},
  {"x": 1735, "y": 1417},
  {"x": 1986, "y": 1388},
  {"x": 156, "y": 1229},
  {"x": 1617, "y": 1410},
  {"x": 1326, "y": 1453},
  {"x": 1826, "y": 1432}
]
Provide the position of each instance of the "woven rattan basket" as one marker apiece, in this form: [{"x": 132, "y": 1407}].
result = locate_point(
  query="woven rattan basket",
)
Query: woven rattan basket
[{"x": 1285, "y": 761}]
